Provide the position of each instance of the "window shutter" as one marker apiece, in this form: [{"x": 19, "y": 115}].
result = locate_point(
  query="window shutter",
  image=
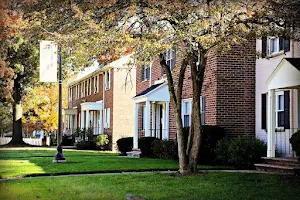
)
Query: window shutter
[
  {"x": 281, "y": 43},
  {"x": 142, "y": 73},
  {"x": 287, "y": 109},
  {"x": 147, "y": 73},
  {"x": 105, "y": 120},
  {"x": 202, "y": 110},
  {"x": 286, "y": 44},
  {"x": 108, "y": 117},
  {"x": 264, "y": 47},
  {"x": 264, "y": 111},
  {"x": 162, "y": 71}
]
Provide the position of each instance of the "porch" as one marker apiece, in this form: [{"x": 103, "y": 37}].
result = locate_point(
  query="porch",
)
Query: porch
[
  {"x": 153, "y": 104},
  {"x": 91, "y": 116},
  {"x": 283, "y": 107}
]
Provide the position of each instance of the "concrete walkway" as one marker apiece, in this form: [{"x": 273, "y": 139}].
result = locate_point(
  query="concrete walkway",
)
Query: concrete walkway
[{"x": 144, "y": 172}]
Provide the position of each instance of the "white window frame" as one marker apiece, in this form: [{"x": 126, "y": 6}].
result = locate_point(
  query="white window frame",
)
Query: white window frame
[
  {"x": 171, "y": 54},
  {"x": 82, "y": 89},
  {"x": 107, "y": 80},
  {"x": 185, "y": 112},
  {"x": 144, "y": 71},
  {"x": 277, "y": 110},
  {"x": 96, "y": 84},
  {"x": 70, "y": 94}
]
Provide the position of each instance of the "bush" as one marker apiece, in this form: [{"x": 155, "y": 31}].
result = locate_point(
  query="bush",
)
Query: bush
[
  {"x": 125, "y": 145},
  {"x": 86, "y": 145},
  {"x": 210, "y": 136},
  {"x": 241, "y": 153},
  {"x": 166, "y": 149},
  {"x": 295, "y": 142},
  {"x": 68, "y": 141},
  {"x": 102, "y": 141},
  {"x": 145, "y": 145}
]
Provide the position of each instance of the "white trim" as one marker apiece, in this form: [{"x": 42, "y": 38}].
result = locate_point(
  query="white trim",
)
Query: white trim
[
  {"x": 107, "y": 82},
  {"x": 189, "y": 112}
]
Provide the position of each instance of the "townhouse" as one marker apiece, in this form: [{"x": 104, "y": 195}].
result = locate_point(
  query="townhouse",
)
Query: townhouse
[
  {"x": 228, "y": 95},
  {"x": 100, "y": 98},
  {"x": 277, "y": 94}
]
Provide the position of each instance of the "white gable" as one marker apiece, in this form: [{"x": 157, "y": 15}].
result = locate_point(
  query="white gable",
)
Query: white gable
[
  {"x": 161, "y": 93},
  {"x": 284, "y": 76}
]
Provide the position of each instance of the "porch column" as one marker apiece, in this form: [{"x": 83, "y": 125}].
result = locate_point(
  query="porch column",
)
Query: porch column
[
  {"x": 87, "y": 122},
  {"x": 166, "y": 132},
  {"x": 136, "y": 131},
  {"x": 71, "y": 127},
  {"x": 100, "y": 122},
  {"x": 153, "y": 120},
  {"x": 271, "y": 123},
  {"x": 75, "y": 122},
  {"x": 147, "y": 119},
  {"x": 82, "y": 119},
  {"x": 64, "y": 122}
]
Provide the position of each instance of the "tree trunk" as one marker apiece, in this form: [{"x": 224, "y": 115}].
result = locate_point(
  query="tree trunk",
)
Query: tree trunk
[
  {"x": 194, "y": 140},
  {"x": 17, "y": 138}
]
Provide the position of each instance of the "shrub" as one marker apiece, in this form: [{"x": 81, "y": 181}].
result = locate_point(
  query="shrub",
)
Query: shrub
[
  {"x": 241, "y": 153},
  {"x": 125, "y": 145},
  {"x": 210, "y": 136},
  {"x": 295, "y": 142},
  {"x": 145, "y": 145},
  {"x": 166, "y": 149},
  {"x": 101, "y": 141},
  {"x": 86, "y": 145},
  {"x": 68, "y": 141}
]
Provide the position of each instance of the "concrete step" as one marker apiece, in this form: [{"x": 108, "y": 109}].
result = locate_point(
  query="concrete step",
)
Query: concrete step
[
  {"x": 291, "y": 162},
  {"x": 135, "y": 153},
  {"x": 277, "y": 168}
]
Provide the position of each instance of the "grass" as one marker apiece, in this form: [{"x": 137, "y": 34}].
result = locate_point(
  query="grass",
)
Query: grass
[
  {"x": 155, "y": 186},
  {"x": 36, "y": 162}
]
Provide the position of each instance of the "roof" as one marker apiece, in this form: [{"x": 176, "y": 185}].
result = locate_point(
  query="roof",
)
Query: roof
[
  {"x": 148, "y": 90},
  {"x": 96, "y": 68},
  {"x": 295, "y": 62}
]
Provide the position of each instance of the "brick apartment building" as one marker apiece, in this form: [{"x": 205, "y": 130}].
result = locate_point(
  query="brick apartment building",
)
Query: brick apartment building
[
  {"x": 100, "y": 99},
  {"x": 228, "y": 95}
]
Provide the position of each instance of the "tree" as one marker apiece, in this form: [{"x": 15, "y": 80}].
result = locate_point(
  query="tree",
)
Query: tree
[
  {"x": 40, "y": 105},
  {"x": 199, "y": 28}
]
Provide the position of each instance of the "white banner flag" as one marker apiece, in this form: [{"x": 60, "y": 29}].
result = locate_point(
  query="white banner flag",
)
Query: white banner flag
[{"x": 48, "y": 61}]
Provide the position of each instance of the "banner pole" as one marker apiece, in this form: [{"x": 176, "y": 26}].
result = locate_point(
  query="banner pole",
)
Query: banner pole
[{"x": 59, "y": 134}]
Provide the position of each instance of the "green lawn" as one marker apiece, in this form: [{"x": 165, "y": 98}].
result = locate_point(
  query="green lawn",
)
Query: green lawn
[
  {"x": 155, "y": 186},
  {"x": 33, "y": 162}
]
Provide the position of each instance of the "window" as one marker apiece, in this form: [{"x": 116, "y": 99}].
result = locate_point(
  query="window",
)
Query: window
[
  {"x": 89, "y": 86},
  {"x": 186, "y": 112},
  {"x": 107, "y": 118},
  {"x": 70, "y": 94},
  {"x": 275, "y": 45},
  {"x": 96, "y": 83},
  {"x": 170, "y": 59},
  {"x": 82, "y": 89},
  {"x": 279, "y": 111},
  {"x": 145, "y": 73},
  {"x": 107, "y": 80},
  {"x": 77, "y": 94}
]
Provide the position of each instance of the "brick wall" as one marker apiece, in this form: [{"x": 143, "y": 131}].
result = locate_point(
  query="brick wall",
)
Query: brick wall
[
  {"x": 236, "y": 91},
  {"x": 108, "y": 103}
]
